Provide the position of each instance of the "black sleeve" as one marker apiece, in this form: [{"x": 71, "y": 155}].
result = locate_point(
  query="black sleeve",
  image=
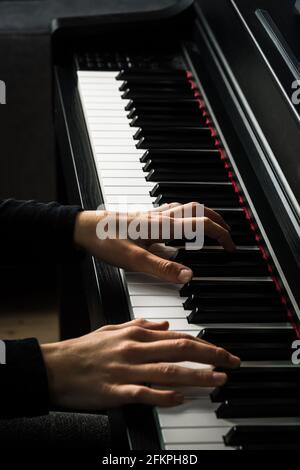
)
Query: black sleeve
[
  {"x": 23, "y": 379},
  {"x": 32, "y": 231}
]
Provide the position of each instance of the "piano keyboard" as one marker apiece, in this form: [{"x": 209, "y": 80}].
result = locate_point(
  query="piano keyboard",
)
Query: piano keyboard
[{"x": 152, "y": 145}]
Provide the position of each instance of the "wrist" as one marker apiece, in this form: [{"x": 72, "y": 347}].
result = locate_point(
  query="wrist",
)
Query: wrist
[
  {"x": 53, "y": 359},
  {"x": 85, "y": 229}
]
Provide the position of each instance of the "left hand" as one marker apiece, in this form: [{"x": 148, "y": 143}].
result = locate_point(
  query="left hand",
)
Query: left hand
[{"x": 142, "y": 255}]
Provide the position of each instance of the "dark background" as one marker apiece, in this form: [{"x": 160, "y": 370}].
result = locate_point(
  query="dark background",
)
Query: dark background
[{"x": 27, "y": 148}]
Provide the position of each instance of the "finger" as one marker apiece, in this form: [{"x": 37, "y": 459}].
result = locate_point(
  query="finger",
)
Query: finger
[
  {"x": 218, "y": 233},
  {"x": 139, "y": 322},
  {"x": 166, "y": 207},
  {"x": 210, "y": 228},
  {"x": 144, "y": 395},
  {"x": 139, "y": 334},
  {"x": 191, "y": 209},
  {"x": 168, "y": 228},
  {"x": 163, "y": 268},
  {"x": 176, "y": 375},
  {"x": 183, "y": 349}
]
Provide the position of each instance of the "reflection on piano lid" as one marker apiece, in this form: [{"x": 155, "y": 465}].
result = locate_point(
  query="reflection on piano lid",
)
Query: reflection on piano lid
[{"x": 163, "y": 123}]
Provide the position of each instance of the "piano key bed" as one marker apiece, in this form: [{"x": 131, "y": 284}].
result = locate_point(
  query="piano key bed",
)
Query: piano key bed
[{"x": 153, "y": 142}]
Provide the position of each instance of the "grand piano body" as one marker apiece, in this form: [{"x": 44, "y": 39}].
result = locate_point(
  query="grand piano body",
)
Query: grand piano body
[{"x": 195, "y": 102}]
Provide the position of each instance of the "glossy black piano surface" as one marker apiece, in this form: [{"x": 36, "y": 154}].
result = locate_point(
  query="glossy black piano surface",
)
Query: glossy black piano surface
[{"x": 208, "y": 98}]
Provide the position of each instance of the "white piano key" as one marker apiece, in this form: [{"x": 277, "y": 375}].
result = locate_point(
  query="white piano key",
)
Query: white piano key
[
  {"x": 153, "y": 289},
  {"x": 115, "y": 159},
  {"x": 97, "y": 112},
  {"x": 201, "y": 413},
  {"x": 128, "y": 167},
  {"x": 194, "y": 435},
  {"x": 129, "y": 199},
  {"x": 98, "y": 73},
  {"x": 98, "y": 123},
  {"x": 122, "y": 173},
  {"x": 122, "y": 141},
  {"x": 103, "y": 134},
  {"x": 93, "y": 103},
  {"x": 197, "y": 446},
  {"x": 137, "y": 182},
  {"x": 160, "y": 313},
  {"x": 156, "y": 301},
  {"x": 117, "y": 149},
  {"x": 126, "y": 191},
  {"x": 97, "y": 93}
]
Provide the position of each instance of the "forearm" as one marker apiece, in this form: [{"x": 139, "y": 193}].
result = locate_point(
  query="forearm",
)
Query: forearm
[
  {"x": 23, "y": 380},
  {"x": 32, "y": 231}
]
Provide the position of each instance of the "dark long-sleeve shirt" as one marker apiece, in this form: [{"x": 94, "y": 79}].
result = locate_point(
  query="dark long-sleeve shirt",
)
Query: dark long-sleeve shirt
[{"x": 30, "y": 231}]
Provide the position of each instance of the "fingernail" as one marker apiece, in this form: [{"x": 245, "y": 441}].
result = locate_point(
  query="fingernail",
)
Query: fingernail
[
  {"x": 185, "y": 276},
  {"x": 219, "y": 378}
]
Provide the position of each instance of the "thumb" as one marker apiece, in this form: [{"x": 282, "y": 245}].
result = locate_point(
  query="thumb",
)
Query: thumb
[{"x": 165, "y": 269}]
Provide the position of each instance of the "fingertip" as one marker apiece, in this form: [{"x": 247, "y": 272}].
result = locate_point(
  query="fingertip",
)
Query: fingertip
[
  {"x": 219, "y": 378},
  {"x": 235, "y": 361},
  {"x": 184, "y": 276}
]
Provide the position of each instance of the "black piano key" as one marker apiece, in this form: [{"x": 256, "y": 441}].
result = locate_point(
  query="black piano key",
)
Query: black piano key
[
  {"x": 270, "y": 447},
  {"x": 149, "y": 95},
  {"x": 151, "y": 75},
  {"x": 210, "y": 316},
  {"x": 142, "y": 102},
  {"x": 255, "y": 390},
  {"x": 209, "y": 194},
  {"x": 207, "y": 158},
  {"x": 209, "y": 200},
  {"x": 271, "y": 373},
  {"x": 219, "y": 287},
  {"x": 262, "y": 436},
  {"x": 179, "y": 108},
  {"x": 241, "y": 238},
  {"x": 259, "y": 408},
  {"x": 176, "y": 132},
  {"x": 220, "y": 263},
  {"x": 180, "y": 175},
  {"x": 235, "y": 298},
  {"x": 237, "y": 335},
  {"x": 187, "y": 165},
  {"x": 157, "y": 84},
  {"x": 168, "y": 113},
  {"x": 243, "y": 375},
  {"x": 160, "y": 119},
  {"x": 219, "y": 256},
  {"x": 157, "y": 90},
  {"x": 237, "y": 305},
  {"x": 253, "y": 343},
  {"x": 153, "y": 142}
]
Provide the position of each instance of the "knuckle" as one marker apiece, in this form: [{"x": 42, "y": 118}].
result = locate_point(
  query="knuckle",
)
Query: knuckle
[
  {"x": 183, "y": 344},
  {"x": 135, "y": 332},
  {"x": 138, "y": 393},
  {"x": 167, "y": 369}
]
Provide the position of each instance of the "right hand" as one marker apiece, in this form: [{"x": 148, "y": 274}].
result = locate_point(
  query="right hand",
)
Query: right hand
[{"x": 109, "y": 367}]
